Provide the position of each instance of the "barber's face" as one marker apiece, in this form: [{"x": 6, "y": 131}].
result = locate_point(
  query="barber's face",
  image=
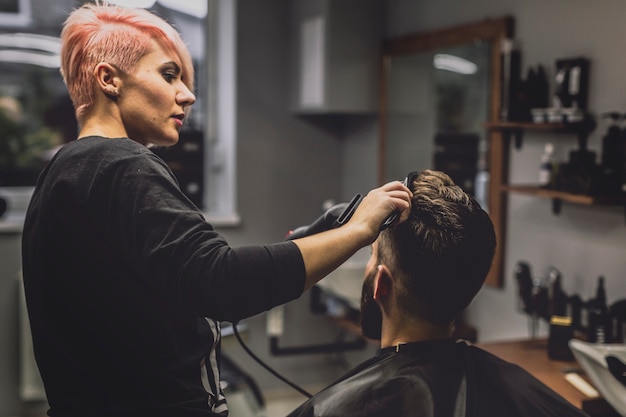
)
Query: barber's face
[
  {"x": 371, "y": 316},
  {"x": 154, "y": 99}
]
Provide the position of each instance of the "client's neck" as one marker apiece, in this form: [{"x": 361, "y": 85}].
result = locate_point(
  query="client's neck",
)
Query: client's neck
[{"x": 408, "y": 331}]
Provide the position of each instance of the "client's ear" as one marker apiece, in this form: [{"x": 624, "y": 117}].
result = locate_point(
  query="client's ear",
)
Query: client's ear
[{"x": 383, "y": 281}]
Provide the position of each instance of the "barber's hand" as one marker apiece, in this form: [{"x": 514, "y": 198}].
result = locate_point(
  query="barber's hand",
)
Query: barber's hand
[
  {"x": 379, "y": 204},
  {"x": 325, "y": 251}
]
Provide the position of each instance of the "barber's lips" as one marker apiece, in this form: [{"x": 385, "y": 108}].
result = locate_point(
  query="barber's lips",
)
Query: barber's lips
[{"x": 179, "y": 119}]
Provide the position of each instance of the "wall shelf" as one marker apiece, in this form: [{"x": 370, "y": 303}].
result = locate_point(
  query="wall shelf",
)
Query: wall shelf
[
  {"x": 516, "y": 129},
  {"x": 559, "y": 196},
  {"x": 582, "y": 129},
  {"x": 555, "y": 127},
  {"x": 589, "y": 200}
]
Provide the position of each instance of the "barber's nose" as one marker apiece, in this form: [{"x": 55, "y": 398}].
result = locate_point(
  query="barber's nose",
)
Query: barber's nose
[{"x": 185, "y": 97}]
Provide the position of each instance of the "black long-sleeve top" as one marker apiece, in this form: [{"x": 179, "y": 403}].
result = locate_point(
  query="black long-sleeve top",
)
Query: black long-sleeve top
[{"x": 126, "y": 284}]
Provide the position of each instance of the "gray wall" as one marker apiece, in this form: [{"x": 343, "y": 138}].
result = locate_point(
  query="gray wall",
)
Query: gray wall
[
  {"x": 10, "y": 266},
  {"x": 583, "y": 242},
  {"x": 287, "y": 165}
]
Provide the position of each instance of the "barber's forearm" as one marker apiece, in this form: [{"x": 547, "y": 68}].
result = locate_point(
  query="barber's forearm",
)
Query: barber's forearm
[{"x": 324, "y": 252}]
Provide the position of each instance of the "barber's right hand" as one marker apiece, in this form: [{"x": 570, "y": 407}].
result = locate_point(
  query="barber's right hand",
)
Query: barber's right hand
[{"x": 378, "y": 205}]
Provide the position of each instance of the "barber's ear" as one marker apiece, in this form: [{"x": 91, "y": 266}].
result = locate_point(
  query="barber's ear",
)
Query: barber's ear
[
  {"x": 383, "y": 282},
  {"x": 107, "y": 79}
]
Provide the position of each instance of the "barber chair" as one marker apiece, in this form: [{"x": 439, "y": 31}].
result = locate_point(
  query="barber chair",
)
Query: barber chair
[{"x": 606, "y": 366}]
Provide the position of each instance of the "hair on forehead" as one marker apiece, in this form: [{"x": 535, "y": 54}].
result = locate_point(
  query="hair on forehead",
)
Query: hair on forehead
[{"x": 100, "y": 32}]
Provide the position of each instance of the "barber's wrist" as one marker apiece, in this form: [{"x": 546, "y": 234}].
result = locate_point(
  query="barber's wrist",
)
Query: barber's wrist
[{"x": 362, "y": 234}]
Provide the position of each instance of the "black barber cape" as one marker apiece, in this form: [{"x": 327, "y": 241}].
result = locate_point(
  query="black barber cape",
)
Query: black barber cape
[{"x": 439, "y": 378}]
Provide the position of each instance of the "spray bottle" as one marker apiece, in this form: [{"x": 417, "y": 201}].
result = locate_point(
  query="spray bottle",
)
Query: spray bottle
[{"x": 547, "y": 167}]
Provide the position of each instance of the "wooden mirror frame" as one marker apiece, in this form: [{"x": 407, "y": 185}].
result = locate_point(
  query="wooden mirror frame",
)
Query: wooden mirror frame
[{"x": 494, "y": 31}]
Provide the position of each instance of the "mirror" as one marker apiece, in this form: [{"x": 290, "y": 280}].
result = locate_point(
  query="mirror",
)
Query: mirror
[{"x": 438, "y": 91}]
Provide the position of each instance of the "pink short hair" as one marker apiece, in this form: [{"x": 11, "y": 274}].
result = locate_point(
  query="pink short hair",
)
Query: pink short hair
[{"x": 118, "y": 35}]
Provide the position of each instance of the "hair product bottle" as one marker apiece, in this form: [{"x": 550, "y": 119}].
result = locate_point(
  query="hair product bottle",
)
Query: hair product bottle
[{"x": 599, "y": 330}]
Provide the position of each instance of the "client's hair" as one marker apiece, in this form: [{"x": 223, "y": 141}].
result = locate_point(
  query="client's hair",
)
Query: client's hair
[{"x": 442, "y": 253}]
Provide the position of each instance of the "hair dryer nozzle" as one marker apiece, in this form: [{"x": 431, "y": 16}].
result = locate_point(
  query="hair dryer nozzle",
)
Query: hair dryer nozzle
[{"x": 334, "y": 217}]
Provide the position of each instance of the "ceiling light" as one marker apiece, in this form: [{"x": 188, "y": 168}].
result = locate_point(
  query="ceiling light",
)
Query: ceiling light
[
  {"x": 30, "y": 48},
  {"x": 34, "y": 41},
  {"x": 29, "y": 57},
  {"x": 196, "y": 8},
  {"x": 454, "y": 64},
  {"x": 144, "y": 4}
]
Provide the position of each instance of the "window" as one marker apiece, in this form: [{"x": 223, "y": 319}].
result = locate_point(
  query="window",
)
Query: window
[
  {"x": 15, "y": 12},
  {"x": 36, "y": 114},
  {"x": 204, "y": 159},
  {"x": 32, "y": 90},
  {"x": 220, "y": 201}
]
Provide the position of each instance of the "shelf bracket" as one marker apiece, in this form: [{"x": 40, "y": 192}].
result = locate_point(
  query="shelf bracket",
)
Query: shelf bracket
[
  {"x": 518, "y": 136},
  {"x": 582, "y": 140},
  {"x": 557, "y": 204}
]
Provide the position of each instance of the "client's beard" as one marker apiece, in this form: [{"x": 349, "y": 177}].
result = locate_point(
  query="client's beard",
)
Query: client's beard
[{"x": 371, "y": 316}]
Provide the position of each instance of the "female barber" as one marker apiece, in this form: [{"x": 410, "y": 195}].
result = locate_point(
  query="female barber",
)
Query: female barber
[{"x": 126, "y": 283}]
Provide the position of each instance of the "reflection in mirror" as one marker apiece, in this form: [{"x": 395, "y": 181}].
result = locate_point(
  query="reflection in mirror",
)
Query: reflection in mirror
[
  {"x": 36, "y": 114},
  {"x": 437, "y": 105}
]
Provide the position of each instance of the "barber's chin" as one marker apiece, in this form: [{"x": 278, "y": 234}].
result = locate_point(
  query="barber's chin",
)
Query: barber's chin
[
  {"x": 161, "y": 143},
  {"x": 168, "y": 142}
]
